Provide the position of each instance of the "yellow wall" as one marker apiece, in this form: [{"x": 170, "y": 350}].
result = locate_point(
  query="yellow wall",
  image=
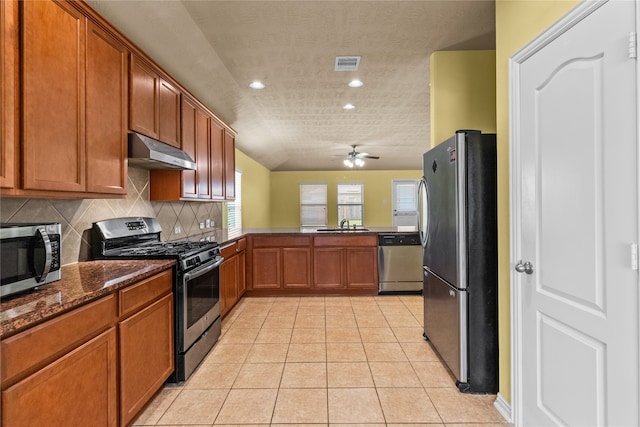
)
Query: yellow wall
[
  {"x": 285, "y": 194},
  {"x": 463, "y": 92},
  {"x": 256, "y": 192},
  {"x": 517, "y": 23}
]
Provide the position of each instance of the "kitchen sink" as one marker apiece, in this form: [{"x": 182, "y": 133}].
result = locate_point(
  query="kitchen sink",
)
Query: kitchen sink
[{"x": 343, "y": 230}]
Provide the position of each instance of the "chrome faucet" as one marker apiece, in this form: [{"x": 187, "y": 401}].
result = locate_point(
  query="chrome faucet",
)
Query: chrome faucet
[{"x": 342, "y": 223}]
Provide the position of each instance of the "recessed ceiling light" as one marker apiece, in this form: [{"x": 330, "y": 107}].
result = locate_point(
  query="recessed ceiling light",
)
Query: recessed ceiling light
[
  {"x": 355, "y": 83},
  {"x": 256, "y": 85},
  {"x": 349, "y": 106}
]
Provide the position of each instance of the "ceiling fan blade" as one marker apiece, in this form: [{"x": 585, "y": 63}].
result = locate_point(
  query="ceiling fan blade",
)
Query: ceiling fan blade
[{"x": 367, "y": 156}]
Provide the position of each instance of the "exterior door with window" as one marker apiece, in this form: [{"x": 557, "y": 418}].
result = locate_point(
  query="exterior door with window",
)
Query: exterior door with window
[
  {"x": 405, "y": 202},
  {"x": 575, "y": 221}
]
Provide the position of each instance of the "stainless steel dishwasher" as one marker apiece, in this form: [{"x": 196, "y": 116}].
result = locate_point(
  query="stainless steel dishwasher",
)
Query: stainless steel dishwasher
[{"x": 399, "y": 263}]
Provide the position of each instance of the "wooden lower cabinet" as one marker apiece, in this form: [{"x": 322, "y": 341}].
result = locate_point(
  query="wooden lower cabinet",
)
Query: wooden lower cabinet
[
  {"x": 232, "y": 274},
  {"x": 146, "y": 356},
  {"x": 96, "y": 365},
  {"x": 296, "y": 267},
  {"x": 77, "y": 389},
  {"x": 362, "y": 267},
  {"x": 267, "y": 273},
  {"x": 328, "y": 271},
  {"x": 228, "y": 287},
  {"x": 318, "y": 264}
]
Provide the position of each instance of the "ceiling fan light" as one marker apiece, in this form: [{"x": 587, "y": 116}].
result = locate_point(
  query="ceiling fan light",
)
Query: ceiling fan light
[
  {"x": 348, "y": 163},
  {"x": 359, "y": 162}
]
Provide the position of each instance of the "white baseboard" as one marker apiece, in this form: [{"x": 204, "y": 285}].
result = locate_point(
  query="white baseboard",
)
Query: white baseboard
[{"x": 504, "y": 408}]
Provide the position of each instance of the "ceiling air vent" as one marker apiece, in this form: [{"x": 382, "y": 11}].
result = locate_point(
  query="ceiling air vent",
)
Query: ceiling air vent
[{"x": 347, "y": 63}]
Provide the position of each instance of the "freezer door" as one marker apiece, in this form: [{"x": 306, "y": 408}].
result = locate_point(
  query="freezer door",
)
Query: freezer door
[
  {"x": 445, "y": 323},
  {"x": 441, "y": 251}
]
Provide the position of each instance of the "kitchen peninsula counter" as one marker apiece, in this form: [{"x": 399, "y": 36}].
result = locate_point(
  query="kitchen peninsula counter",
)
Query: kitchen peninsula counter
[
  {"x": 81, "y": 283},
  {"x": 226, "y": 235}
]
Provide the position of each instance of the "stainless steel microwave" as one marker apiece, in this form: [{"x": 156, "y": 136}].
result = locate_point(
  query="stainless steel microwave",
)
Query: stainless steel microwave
[{"x": 29, "y": 256}]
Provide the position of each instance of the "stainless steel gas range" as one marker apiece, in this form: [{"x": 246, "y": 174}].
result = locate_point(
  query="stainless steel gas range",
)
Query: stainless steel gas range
[{"x": 196, "y": 284}]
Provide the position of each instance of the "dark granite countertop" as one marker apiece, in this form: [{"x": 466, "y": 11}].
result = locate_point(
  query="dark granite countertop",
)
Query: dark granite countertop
[{"x": 80, "y": 283}]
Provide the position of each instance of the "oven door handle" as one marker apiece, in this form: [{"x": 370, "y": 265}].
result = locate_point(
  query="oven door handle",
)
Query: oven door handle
[{"x": 203, "y": 270}]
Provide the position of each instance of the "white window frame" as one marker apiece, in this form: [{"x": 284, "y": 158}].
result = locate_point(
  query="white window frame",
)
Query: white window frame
[
  {"x": 234, "y": 208},
  {"x": 314, "y": 204},
  {"x": 342, "y": 208}
]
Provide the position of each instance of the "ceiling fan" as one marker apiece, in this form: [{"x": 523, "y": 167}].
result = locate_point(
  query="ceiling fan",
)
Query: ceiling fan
[{"x": 354, "y": 158}]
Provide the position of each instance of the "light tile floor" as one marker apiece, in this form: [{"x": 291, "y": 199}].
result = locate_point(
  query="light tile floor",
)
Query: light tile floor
[{"x": 322, "y": 361}]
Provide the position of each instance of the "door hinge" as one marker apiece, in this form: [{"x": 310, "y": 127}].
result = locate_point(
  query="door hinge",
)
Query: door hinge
[
  {"x": 634, "y": 256},
  {"x": 633, "y": 45}
]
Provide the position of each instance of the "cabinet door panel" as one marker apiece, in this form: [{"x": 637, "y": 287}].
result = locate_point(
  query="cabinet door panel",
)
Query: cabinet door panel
[
  {"x": 217, "y": 161},
  {"x": 8, "y": 92},
  {"x": 296, "y": 267},
  {"x": 203, "y": 149},
  {"x": 189, "y": 183},
  {"x": 328, "y": 267},
  {"x": 106, "y": 106},
  {"x": 228, "y": 284},
  {"x": 144, "y": 99},
  {"x": 242, "y": 278},
  {"x": 229, "y": 166},
  {"x": 146, "y": 356},
  {"x": 266, "y": 268},
  {"x": 169, "y": 114},
  {"x": 53, "y": 96},
  {"x": 77, "y": 389},
  {"x": 362, "y": 268}
]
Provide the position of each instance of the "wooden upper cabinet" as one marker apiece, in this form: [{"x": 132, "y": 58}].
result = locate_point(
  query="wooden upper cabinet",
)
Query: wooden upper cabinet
[
  {"x": 169, "y": 114},
  {"x": 8, "y": 92},
  {"x": 203, "y": 154},
  {"x": 53, "y": 76},
  {"x": 154, "y": 105},
  {"x": 144, "y": 98},
  {"x": 106, "y": 109},
  {"x": 229, "y": 165},
  {"x": 217, "y": 163},
  {"x": 189, "y": 183}
]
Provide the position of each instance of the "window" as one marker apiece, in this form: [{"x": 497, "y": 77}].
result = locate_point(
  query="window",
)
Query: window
[
  {"x": 313, "y": 204},
  {"x": 351, "y": 203},
  {"x": 234, "y": 209}
]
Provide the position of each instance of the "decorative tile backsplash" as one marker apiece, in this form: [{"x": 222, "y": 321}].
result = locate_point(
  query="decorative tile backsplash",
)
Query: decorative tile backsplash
[{"x": 77, "y": 216}]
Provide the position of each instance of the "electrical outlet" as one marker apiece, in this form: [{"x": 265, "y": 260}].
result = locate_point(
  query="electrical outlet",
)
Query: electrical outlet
[
  {"x": 202, "y": 226},
  {"x": 207, "y": 223},
  {"x": 177, "y": 229}
]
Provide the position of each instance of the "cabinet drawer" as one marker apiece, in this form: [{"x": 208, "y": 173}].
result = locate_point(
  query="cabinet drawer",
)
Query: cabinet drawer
[
  {"x": 229, "y": 250},
  {"x": 139, "y": 295},
  {"x": 344, "y": 241},
  {"x": 242, "y": 244},
  {"x": 280, "y": 241},
  {"x": 36, "y": 346}
]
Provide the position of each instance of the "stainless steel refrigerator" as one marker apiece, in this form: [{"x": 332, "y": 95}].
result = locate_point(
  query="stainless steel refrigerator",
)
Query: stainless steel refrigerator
[{"x": 458, "y": 231}]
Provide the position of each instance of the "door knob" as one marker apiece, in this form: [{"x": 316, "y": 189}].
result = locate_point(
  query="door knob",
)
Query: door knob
[{"x": 525, "y": 267}]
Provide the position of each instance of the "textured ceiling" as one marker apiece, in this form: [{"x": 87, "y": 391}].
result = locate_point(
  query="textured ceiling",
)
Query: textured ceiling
[{"x": 216, "y": 48}]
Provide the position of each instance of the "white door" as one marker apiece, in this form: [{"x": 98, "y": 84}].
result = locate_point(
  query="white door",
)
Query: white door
[
  {"x": 575, "y": 221},
  {"x": 405, "y": 202}
]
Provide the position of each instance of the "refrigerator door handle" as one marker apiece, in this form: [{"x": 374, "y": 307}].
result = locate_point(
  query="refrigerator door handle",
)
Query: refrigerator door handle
[{"x": 423, "y": 205}]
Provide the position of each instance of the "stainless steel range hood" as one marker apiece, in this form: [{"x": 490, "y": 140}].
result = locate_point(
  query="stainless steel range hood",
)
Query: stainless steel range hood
[{"x": 148, "y": 153}]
